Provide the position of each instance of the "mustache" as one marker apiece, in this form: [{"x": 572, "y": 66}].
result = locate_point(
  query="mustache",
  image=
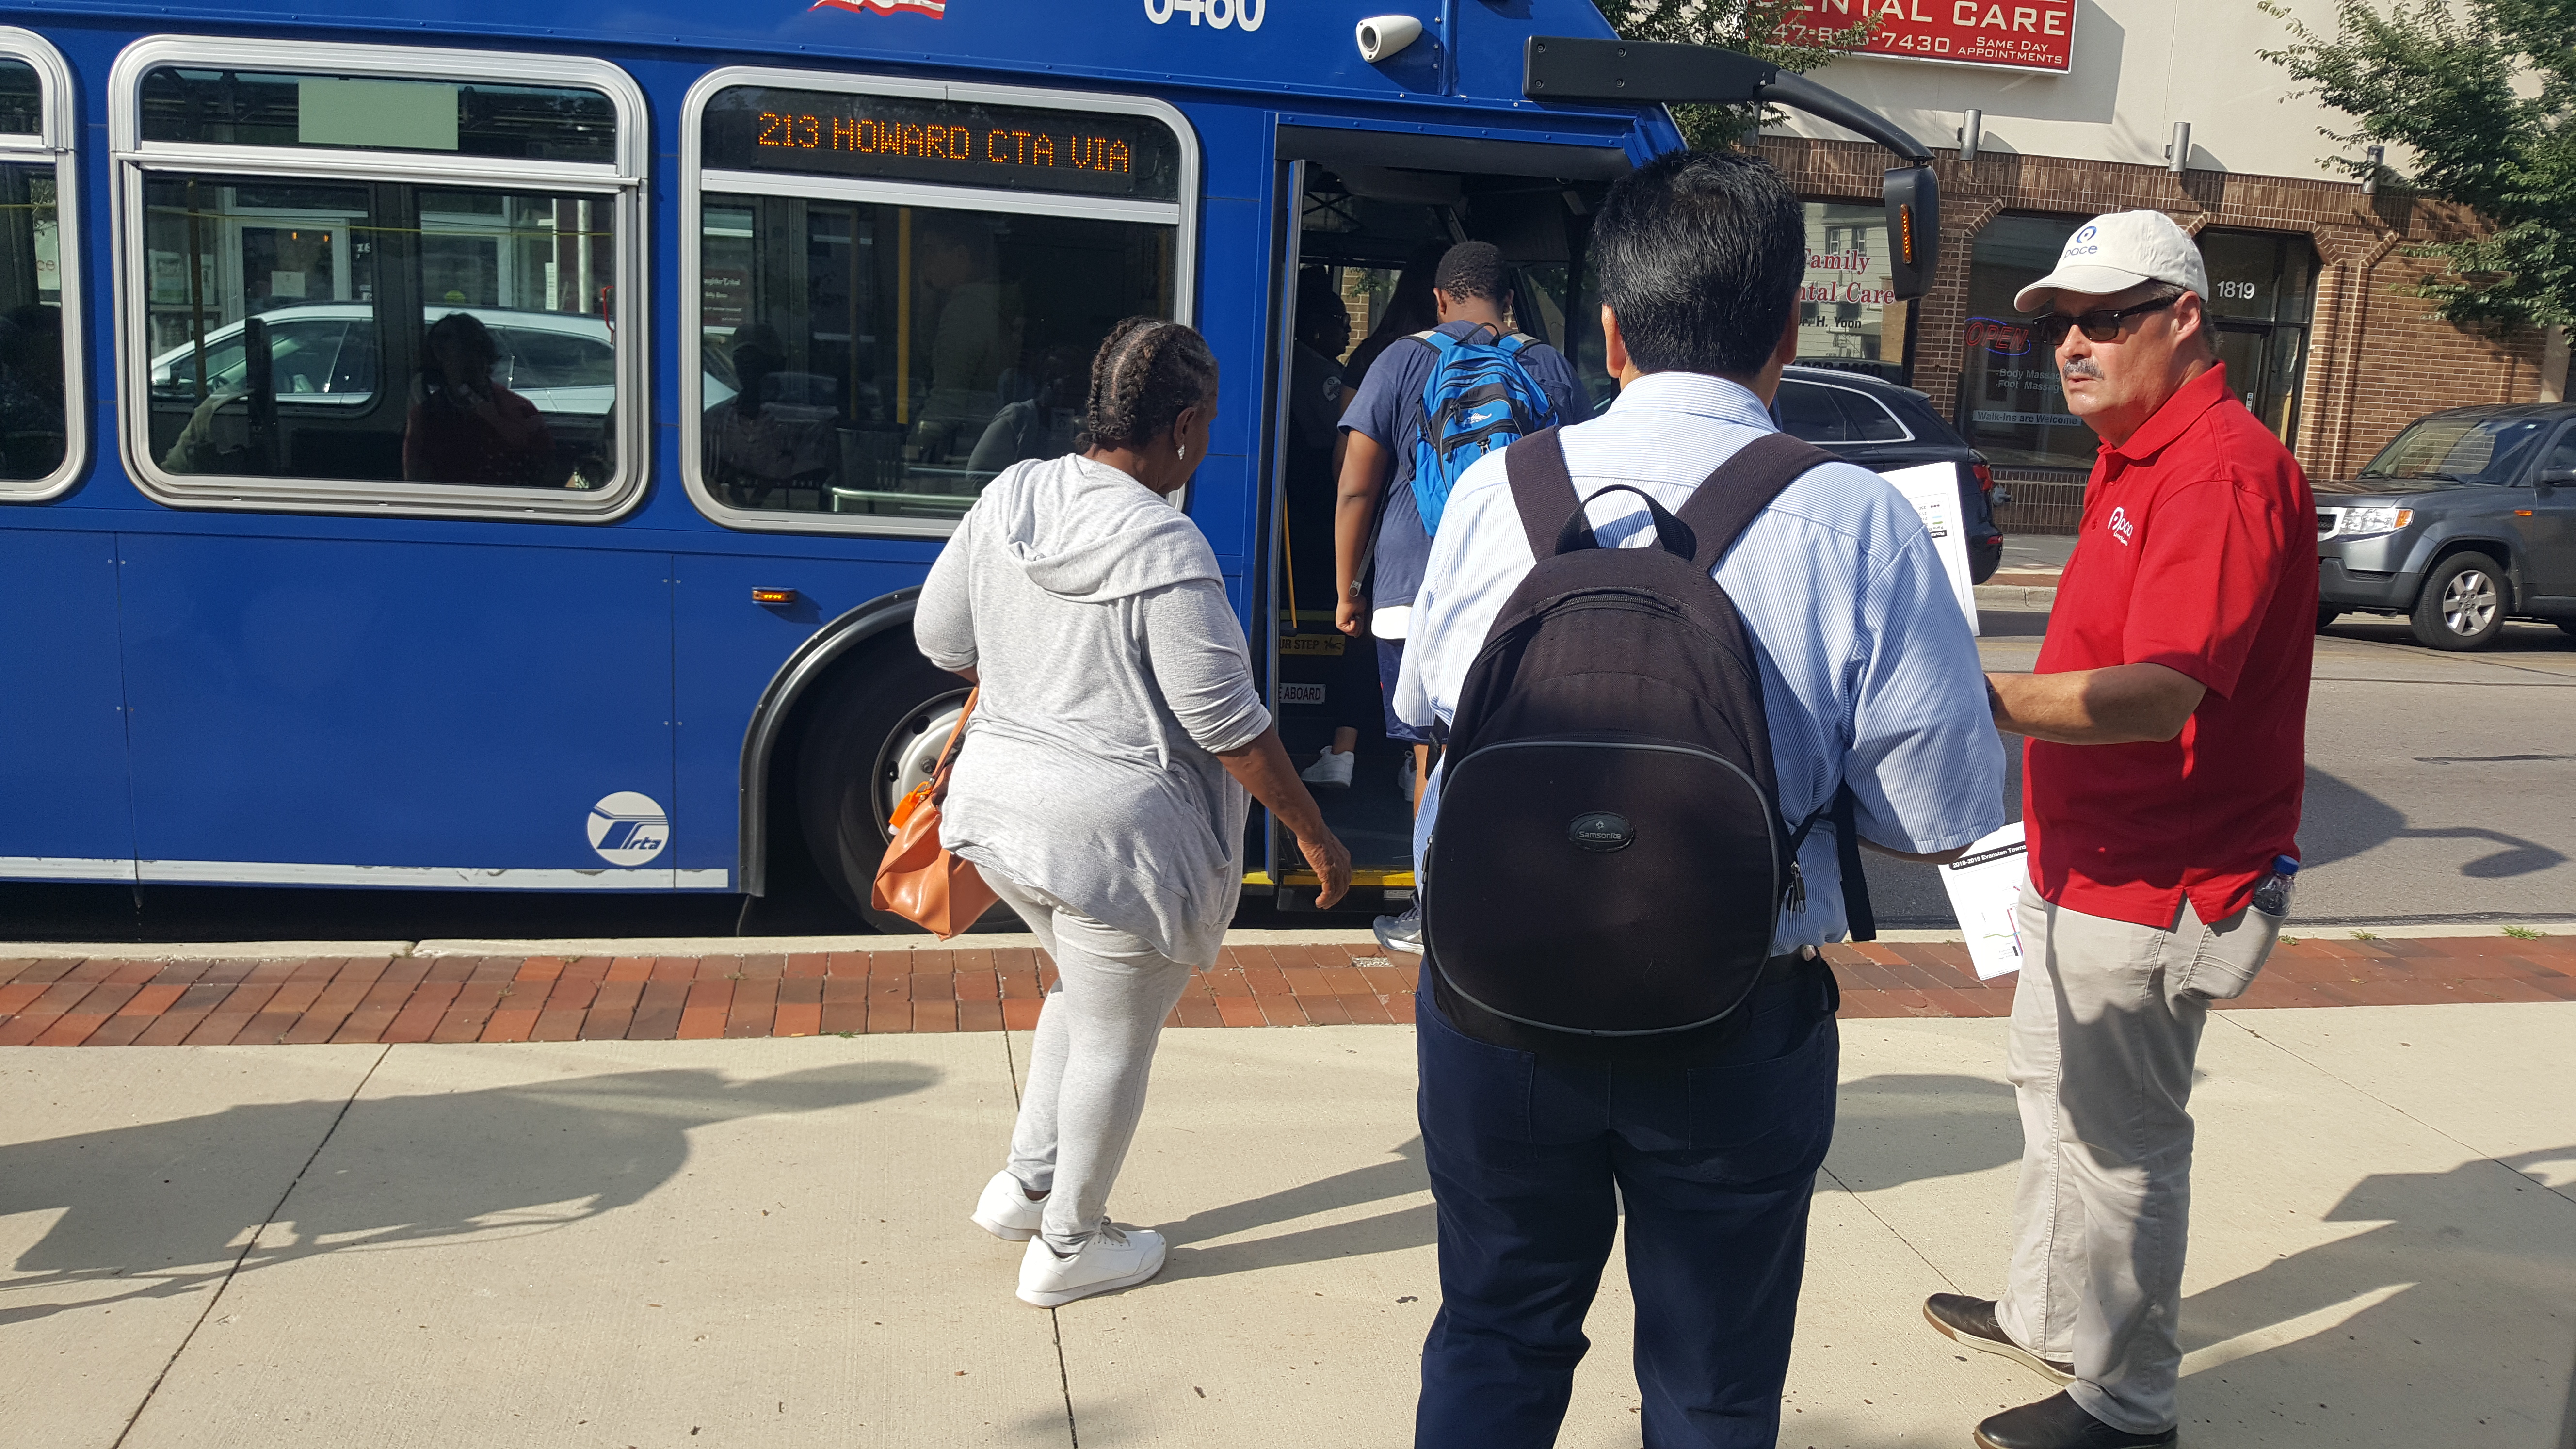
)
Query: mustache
[{"x": 2081, "y": 367}]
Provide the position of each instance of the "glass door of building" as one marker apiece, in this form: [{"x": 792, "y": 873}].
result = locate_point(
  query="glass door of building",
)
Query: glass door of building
[{"x": 2262, "y": 295}]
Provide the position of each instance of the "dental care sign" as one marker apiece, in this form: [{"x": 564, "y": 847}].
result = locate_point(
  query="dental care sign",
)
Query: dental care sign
[{"x": 2031, "y": 35}]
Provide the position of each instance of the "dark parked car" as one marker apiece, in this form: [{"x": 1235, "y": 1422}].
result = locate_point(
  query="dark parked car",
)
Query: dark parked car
[
  {"x": 1884, "y": 427},
  {"x": 2466, "y": 519}
]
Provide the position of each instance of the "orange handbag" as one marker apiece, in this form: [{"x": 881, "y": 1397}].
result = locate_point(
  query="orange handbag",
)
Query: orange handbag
[{"x": 918, "y": 880}]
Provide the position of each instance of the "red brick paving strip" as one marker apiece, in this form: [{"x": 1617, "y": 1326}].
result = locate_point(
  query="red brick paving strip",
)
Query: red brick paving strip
[{"x": 55, "y": 1001}]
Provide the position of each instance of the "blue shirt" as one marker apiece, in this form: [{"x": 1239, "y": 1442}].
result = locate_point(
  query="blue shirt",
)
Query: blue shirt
[
  {"x": 1869, "y": 672},
  {"x": 1388, "y": 408}
]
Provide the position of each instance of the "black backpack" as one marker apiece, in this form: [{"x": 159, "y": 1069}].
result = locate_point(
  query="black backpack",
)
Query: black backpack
[{"x": 1610, "y": 860}]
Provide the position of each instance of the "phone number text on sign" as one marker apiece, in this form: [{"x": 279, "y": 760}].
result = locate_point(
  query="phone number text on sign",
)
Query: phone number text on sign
[
  {"x": 2031, "y": 35},
  {"x": 1240, "y": 14}
]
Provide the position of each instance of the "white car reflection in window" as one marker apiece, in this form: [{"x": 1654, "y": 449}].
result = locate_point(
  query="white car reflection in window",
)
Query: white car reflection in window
[{"x": 562, "y": 362}]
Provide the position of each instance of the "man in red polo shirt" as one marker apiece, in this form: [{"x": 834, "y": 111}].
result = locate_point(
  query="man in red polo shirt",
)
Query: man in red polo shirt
[{"x": 2167, "y": 726}]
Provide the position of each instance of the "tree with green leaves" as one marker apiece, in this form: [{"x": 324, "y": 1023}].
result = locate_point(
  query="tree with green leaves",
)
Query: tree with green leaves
[
  {"x": 1767, "y": 30},
  {"x": 2483, "y": 93}
]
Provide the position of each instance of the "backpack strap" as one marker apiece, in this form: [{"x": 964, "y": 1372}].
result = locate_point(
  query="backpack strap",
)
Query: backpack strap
[
  {"x": 1860, "y": 922},
  {"x": 1718, "y": 512},
  {"x": 1541, "y": 489},
  {"x": 1726, "y": 502}
]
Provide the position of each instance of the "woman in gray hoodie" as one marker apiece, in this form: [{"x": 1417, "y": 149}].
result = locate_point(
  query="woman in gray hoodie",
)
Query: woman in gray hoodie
[{"x": 1101, "y": 788}]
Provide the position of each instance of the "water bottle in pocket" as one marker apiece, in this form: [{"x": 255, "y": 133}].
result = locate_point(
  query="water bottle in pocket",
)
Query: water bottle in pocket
[{"x": 2231, "y": 951}]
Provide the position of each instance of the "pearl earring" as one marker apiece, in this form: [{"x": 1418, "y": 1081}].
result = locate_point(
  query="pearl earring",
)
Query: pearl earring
[{"x": 1181, "y": 453}]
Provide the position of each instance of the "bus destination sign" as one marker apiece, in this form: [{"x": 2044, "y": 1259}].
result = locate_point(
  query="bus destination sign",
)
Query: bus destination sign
[{"x": 961, "y": 143}]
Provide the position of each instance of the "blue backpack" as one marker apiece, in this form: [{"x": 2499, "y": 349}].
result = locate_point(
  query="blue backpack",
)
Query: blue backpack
[{"x": 1479, "y": 399}]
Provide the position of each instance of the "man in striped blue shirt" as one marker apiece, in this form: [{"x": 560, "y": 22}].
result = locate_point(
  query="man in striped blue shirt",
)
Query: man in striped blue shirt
[{"x": 1869, "y": 677}]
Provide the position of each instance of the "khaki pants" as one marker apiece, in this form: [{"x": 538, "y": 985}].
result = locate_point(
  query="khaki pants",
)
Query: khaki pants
[{"x": 2106, "y": 1024}]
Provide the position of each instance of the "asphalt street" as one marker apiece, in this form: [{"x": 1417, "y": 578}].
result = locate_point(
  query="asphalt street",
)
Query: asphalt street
[{"x": 2439, "y": 785}]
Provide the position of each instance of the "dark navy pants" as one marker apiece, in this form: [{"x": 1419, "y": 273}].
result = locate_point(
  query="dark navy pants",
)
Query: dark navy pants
[{"x": 1714, "y": 1166}]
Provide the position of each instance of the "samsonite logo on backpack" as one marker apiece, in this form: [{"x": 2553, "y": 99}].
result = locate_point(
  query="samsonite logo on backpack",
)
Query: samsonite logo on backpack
[{"x": 1610, "y": 859}]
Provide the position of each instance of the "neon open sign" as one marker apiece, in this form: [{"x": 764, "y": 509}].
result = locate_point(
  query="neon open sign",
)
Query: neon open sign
[{"x": 1021, "y": 148}]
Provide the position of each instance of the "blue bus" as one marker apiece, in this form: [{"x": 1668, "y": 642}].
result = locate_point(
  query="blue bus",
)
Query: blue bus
[{"x": 450, "y": 447}]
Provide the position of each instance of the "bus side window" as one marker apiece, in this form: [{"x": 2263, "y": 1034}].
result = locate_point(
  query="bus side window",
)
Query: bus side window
[
  {"x": 35, "y": 411},
  {"x": 427, "y": 334}
]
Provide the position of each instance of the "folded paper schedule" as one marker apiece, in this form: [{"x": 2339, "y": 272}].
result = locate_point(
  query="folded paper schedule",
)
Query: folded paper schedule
[{"x": 1985, "y": 886}]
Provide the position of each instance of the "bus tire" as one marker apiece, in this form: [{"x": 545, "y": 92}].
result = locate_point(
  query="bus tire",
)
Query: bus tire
[{"x": 871, "y": 732}]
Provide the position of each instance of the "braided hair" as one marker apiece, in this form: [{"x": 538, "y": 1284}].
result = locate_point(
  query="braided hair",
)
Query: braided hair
[{"x": 1145, "y": 375}]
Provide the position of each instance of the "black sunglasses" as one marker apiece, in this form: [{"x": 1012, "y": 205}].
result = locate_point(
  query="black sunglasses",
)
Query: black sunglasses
[{"x": 2051, "y": 328}]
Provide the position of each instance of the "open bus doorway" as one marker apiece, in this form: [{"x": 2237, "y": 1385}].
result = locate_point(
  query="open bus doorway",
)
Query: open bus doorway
[{"x": 1372, "y": 216}]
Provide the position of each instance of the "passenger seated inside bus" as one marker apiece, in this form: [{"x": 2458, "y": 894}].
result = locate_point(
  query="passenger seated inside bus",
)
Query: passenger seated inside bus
[
  {"x": 777, "y": 433},
  {"x": 463, "y": 426},
  {"x": 975, "y": 334},
  {"x": 1034, "y": 419}
]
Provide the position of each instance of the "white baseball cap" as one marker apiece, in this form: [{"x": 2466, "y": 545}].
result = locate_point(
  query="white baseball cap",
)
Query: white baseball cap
[{"x": 2116, "y": 252}]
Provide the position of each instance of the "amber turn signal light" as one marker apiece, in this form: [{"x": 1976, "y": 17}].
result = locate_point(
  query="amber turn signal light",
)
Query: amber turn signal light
[{"x": 773, "y": 596}]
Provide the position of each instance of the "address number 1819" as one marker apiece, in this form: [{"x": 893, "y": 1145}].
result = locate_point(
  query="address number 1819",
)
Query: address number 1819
[{"x": 1243, "y": 14}]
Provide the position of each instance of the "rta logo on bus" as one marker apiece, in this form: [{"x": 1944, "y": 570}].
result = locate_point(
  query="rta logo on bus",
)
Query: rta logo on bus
[{"x": 628, "y": 829}]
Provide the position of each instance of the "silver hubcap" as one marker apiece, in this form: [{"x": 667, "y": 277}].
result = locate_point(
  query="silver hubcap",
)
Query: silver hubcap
[
  {"x": 2469, "y": 602},
  {"x": 912, "y": 751}
]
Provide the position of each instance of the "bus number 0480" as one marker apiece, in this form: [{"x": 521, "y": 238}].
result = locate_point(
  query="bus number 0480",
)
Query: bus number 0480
[{"x": 1245, "y": 14}]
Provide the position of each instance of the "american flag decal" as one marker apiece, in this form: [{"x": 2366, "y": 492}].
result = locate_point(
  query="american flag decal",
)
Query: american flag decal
[{"x": 932, "y": 8}]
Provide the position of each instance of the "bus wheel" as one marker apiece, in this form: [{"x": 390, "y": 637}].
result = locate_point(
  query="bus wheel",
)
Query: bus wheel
[{"x": 872, "y": 733}]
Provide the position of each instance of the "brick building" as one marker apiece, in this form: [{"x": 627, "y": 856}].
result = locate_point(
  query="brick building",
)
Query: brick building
[{"x": 2310, "y": 274}]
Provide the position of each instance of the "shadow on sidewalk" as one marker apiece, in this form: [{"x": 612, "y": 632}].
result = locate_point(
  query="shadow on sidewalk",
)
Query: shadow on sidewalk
[
  {"x": 2444, "y": 1324},
  {"x": 401, "y": 1172},
  {"x": 1892, "y": 1129},
  {"x": 1901, "y": 1127}
]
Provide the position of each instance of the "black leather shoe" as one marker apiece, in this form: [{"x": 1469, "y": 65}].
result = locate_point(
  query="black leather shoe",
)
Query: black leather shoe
[
  {"x": 1972, "y": 1321},
  {"x": 2058, "y": 1422}
]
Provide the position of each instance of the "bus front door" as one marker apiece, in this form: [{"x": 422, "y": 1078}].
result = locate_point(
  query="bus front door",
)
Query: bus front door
[{"x": 1367, "y": 217}]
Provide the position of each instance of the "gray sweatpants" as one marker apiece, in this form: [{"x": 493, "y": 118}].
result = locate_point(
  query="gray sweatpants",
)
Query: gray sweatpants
[
  {"x": 1095, "y": 1046},
  {"x": 2106, "y": 1024}
]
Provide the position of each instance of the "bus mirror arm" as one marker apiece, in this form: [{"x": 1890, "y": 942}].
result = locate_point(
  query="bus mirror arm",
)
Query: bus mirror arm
[{"x": 1572, "y": 68}]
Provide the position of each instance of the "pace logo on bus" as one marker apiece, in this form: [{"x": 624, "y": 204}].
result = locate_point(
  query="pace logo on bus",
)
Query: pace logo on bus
[{"x": 628, "y": 829}]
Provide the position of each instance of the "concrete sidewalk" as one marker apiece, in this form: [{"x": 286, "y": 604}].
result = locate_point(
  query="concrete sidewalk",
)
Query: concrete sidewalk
[{"x": 763, "y": 1242}]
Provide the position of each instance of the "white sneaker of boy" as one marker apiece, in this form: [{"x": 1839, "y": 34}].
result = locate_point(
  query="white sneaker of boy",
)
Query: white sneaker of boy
[
  {"x": 1114, "y": 1258},
  {"x": 1331, "y": 770},
  {"x": 1006, "y": 1210},
  {"x": 1400, "y": 933}
]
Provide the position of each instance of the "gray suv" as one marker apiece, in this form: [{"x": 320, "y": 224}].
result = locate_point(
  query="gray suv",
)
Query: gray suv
[{"x": 2466, "y": 519}]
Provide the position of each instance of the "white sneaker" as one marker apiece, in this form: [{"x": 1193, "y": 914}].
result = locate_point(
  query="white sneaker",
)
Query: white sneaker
[
  {"x": 1112, "y": 1259},
  {"x": 1404, "y": 775},
  {"x": 1401, "y": 933},
  {"x": 1006, "y": 1211},
  {"x": 1331, "y": 770}
]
